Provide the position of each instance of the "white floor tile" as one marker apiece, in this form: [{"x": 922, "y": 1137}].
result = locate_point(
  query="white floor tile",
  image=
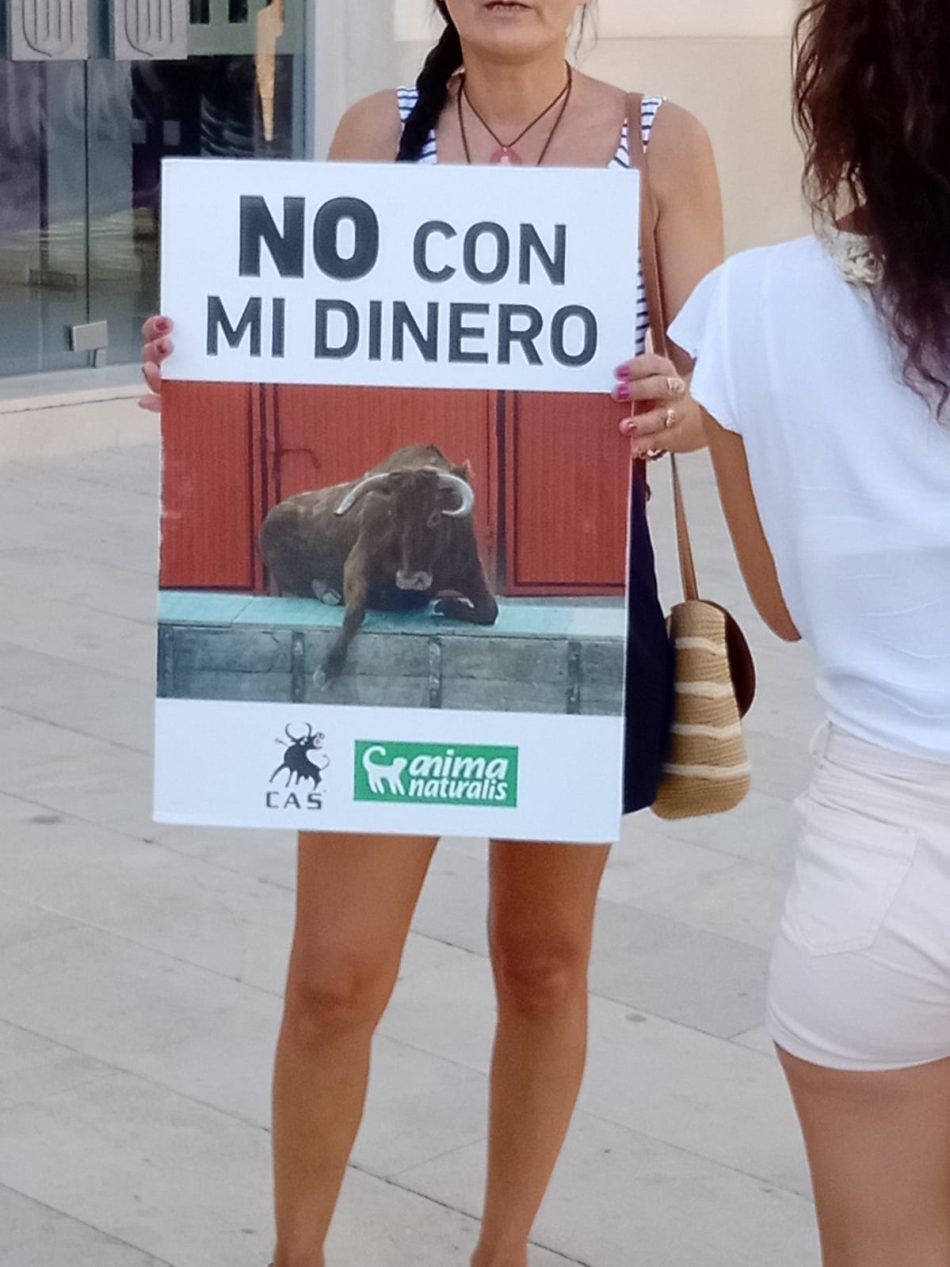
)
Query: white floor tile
[{"x": 619, "y": 1199}]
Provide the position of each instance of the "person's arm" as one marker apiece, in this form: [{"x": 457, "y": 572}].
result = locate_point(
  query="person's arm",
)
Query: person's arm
[
  {"x": 369, "y": 132},
  {"x": 745, "y": 526},
  {"x": 690, "y": 244},
  {"x": 690, "y": 237}
]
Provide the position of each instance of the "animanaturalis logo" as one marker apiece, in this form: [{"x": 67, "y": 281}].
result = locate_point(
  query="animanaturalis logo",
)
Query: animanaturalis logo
[{"x": 436, "y": 774}]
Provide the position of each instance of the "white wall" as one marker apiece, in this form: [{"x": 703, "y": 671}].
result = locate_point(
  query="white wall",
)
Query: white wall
[
  {"x": 354, "y": 55},
  {"x": 740, "y": 87}
]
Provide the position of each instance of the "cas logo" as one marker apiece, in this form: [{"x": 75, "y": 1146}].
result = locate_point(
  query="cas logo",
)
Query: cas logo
[
  {"x": 436, "y": 774},
  {"x": 302, "y": 767}
]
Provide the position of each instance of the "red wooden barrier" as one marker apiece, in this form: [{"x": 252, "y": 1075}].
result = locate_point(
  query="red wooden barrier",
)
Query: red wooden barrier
[
  {"x": 566, "y": 495},
  {"x": 550, "y": 474},
  {"x": 210, "y": 486},
  {"x": 327, "y": 435}
]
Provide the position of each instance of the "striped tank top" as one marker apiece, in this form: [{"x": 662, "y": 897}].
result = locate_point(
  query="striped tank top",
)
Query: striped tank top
[{"x": 407, "y": 98}]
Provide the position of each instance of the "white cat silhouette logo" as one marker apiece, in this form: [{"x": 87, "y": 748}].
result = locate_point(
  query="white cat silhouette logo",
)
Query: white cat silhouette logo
[{"x": 380, "y": 774}]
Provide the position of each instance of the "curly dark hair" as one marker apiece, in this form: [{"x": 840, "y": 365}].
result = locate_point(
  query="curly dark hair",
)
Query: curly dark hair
[{"x": 872, "y": 106}]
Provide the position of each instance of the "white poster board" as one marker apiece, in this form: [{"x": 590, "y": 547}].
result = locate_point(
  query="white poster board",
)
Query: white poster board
[
  {"x": 392, "y": 277},
  {"x": 399, "y": 276}
]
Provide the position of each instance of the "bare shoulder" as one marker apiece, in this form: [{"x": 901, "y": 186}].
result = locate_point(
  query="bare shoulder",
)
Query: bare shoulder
[
  {"x": 681, "y": 153},
  {"x": 369, "y": 131}
]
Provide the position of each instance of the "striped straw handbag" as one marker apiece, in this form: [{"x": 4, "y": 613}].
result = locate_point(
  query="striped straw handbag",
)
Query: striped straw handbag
[{"x": 707, "y": 771}]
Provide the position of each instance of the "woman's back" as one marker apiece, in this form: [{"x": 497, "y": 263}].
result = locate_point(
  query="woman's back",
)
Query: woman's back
[
  {"x": 824, "y": 369},
  {"x": 851, "y": 472}
]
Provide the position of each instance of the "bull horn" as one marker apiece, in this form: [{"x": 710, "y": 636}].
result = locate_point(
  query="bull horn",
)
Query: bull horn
[
  {"x": 466, "y": 495},
  {"x": 364, "y": 486}
]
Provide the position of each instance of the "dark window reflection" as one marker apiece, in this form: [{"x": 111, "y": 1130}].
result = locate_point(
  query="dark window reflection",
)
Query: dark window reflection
[
  {"x": 81, "y": 145},
  {"x": 214, "y": 106}
]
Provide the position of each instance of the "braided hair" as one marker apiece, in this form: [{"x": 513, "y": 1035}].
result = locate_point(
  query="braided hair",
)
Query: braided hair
[{"x": 433, "y": 85}]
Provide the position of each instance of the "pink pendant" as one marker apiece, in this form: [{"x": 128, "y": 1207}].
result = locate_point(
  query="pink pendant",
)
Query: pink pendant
[{"x": 506, "y": 158}]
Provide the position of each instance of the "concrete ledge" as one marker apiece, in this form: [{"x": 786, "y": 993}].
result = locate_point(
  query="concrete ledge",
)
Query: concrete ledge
[
  {"x": 53, "y": 399},
  {"x": 602, "y": 618},
  {"x": 24, "y": 392},
  {"x": 542, "y": 656}
]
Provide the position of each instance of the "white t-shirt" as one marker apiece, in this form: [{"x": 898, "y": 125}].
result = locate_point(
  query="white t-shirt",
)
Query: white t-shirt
[{"x": 851, "y": 472}]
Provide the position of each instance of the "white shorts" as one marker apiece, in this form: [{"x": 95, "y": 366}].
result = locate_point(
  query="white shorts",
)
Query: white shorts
[{"x": 861, "y": 969}]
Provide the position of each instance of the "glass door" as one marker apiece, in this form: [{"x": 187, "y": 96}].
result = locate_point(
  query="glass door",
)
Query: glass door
[
  {"x": 123, "y": 206},
  {"x": 43, "y": 214},
  {"x": 81, "y": 145}
]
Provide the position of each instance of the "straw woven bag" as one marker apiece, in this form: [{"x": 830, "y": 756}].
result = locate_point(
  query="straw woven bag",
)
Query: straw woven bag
[
  {"x": 707, "y": 771},
  {"x": 714, "y": 680}
]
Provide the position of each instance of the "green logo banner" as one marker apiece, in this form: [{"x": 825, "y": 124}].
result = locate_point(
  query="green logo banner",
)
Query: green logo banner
[{"x": 436, "y": 774}]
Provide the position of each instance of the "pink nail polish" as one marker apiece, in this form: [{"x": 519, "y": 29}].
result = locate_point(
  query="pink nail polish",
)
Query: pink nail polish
[
  {"x": 622, "y": 392},
  {"x": 622, "y": 372},
  {"x": 162, "y": 325}
]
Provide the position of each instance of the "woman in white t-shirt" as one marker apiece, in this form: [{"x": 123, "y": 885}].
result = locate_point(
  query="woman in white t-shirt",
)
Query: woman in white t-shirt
[{"x": 823, "y": 367}]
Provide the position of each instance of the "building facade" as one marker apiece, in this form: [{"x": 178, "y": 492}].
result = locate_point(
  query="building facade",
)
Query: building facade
[{"x": 94, "y": 93}]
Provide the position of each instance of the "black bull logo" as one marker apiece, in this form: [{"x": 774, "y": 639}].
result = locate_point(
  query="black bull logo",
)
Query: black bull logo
[
  {"x": 393, "y": 540},
  {"x": 297, "y": 763}
]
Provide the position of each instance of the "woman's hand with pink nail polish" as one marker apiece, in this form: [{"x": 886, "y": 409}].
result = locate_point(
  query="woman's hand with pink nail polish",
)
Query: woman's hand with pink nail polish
[
  {"x": 156, "y": 349},
  {"x": 665, "y": 416}
]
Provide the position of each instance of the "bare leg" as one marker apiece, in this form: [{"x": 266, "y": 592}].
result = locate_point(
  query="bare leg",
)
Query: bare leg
[
  {"x": 355, "y": 899},
  {"x": 879, "y": 1149},
  {"x": 542, "y": 912}
]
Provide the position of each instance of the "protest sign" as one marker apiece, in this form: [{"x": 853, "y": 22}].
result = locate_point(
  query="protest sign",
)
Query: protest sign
[
  {"x": 419, "y": 278},
  {"x": 394, "y": 498}
]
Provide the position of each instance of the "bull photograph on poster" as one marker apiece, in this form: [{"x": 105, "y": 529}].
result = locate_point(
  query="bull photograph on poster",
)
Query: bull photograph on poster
[{"x": 395, "y": 499}]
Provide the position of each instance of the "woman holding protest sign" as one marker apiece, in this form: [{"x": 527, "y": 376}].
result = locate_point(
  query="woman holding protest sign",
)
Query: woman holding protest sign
[
  {"x": 824, "y": 365},
  {"x": 517, "y": 100}
]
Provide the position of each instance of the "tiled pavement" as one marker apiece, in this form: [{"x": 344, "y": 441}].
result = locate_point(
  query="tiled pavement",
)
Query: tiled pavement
[{"x": 141, "y": 967}]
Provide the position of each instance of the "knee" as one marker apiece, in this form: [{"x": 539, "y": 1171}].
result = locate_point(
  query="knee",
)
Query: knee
[
  {"x": 538, "y": 979},
  {"x": 334, "y": 998}
]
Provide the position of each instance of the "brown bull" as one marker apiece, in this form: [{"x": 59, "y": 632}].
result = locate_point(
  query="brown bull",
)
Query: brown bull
[{"x": 391, "y": 541}]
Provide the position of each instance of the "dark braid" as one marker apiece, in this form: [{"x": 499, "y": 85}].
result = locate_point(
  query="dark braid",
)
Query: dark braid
[{"x": 433, "y": 84}]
